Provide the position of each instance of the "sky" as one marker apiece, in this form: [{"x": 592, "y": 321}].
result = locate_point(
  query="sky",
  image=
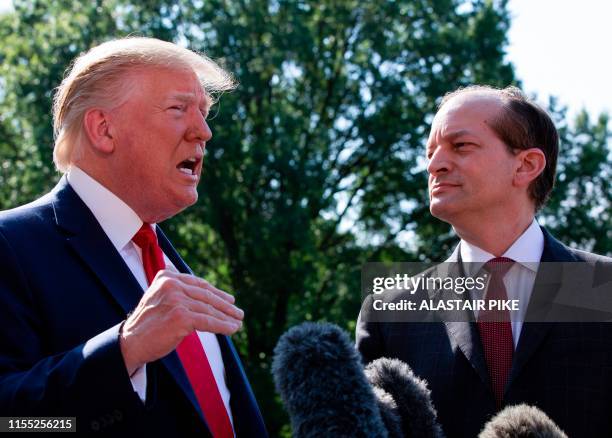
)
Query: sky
[{"x": 560, "y": 48}]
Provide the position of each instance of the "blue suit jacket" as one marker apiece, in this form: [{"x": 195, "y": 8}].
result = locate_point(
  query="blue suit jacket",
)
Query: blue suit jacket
[
  {"x": 563, "y": 368},
  {"x": 64, "y": 290}
]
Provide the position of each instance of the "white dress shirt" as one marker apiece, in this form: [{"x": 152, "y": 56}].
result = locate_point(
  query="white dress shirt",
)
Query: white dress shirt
[
  {"x": 526, "y": 251},
  {"x": 120, "y": 223}
]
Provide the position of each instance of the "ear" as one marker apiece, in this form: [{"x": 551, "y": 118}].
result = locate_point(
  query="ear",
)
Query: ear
[
  {"x": 530, "y": 164},
  {"x": 97, "y": 128}
]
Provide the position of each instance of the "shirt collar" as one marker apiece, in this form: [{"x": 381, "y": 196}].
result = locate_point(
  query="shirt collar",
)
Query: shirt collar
[
  {"x": 526, "y": 250},
  {"x": 116, "y": 218}
]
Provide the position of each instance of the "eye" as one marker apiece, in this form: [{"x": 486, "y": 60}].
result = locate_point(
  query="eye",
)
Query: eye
[
  {"x": 429, "y": 152},
  {"x": 177, "y": 108},
  {"x": 461, "y": 144}
]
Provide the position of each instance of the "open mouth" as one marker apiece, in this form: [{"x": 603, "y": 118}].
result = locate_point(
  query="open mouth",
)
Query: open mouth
[{"x": 188, "y": 166}]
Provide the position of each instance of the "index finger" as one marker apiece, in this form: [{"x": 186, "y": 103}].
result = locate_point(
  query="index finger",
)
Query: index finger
[{"x": 200, "y": 282}]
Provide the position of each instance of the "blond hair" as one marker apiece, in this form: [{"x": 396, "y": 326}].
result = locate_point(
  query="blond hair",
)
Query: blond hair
[{"x": 100, "y": 78}]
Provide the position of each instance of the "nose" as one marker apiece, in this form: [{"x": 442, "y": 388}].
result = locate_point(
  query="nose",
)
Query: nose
[
  {"x": 439, "y": 162},
  {"x": 199, "y": 131}
]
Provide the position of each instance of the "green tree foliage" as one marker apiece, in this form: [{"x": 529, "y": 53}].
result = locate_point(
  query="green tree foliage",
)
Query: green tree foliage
[
  {"x": 580, "y": 209},
  {"x": 316, "y": 162}
]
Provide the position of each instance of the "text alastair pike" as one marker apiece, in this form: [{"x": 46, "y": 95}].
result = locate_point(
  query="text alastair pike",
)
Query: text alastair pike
[
  {"x": 457, "y": 284},
  {"x": 447, "y": 305}
]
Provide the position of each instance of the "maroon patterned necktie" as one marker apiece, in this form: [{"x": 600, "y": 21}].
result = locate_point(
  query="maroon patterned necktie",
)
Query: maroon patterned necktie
[{"x": 496, "y": 329}]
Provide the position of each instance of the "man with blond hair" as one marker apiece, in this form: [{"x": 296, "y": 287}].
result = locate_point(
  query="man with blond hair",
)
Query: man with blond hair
[{"x": 100, "y": 318}]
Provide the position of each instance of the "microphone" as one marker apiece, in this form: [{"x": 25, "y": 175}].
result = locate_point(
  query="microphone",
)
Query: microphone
[
  {"x": 521, "y": 421},
  {"x": 418, "y": 417},
  {"x": 319, "y": 375},
  {"x": 389, "y": 412}
]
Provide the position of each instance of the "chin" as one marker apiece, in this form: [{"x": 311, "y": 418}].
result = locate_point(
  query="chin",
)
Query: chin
[
  {"x": 441, "y": 211},
  {"x": 184, "y": 200},
  {"x": 172, "y": 205}
]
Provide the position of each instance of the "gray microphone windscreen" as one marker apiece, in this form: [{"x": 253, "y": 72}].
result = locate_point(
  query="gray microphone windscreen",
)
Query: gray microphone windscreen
[
  {"x": 411, "y": 395},
  {"x": 521, "y": 421},
  {"x": 320, "y": 378}
]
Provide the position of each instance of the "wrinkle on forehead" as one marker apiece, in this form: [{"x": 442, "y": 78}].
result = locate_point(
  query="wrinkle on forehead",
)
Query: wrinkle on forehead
[
  {"x": 184, "y": 89},
  {"x": 484, "y": 106}
]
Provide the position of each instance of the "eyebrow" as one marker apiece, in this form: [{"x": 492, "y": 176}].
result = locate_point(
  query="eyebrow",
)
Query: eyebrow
[
  {"x": 183, "y": 96},
  {"x": 453, "y": 135},
  {"x": 189, "y": 97}
]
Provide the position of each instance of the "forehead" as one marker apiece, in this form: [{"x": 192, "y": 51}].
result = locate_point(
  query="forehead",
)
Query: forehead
[
  {"x": 473, "y": 112},
  {"x": 158, "y": 84}
]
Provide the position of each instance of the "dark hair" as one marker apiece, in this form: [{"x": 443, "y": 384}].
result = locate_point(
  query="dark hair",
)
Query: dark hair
[{"x": 522, "y": 124}]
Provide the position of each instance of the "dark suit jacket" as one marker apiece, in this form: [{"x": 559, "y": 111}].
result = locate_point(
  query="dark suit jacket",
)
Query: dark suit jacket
[
  {"x": 563, "y": 368},
  {"x": 64, "y": 290}
]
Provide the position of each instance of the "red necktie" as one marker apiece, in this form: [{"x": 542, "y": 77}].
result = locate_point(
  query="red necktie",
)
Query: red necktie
[
  {"x": 496, "y": 329},
  {"x": 190, "y": 350}
]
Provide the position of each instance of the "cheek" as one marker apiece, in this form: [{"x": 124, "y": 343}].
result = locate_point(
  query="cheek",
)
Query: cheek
[{"x": 499, "y": 181}]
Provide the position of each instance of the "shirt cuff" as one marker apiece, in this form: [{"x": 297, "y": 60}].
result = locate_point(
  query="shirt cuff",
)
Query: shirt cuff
[{"x": 139, "y": 382}]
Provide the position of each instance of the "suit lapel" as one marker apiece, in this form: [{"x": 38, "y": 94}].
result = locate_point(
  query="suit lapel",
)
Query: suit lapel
[
  {"x": 461, "y": 327},
  {"x": 171, "y": 253},
  {"x": 172, "y": 361},
  {"x": 86, "y": 237},
  {"x": 533, "y": 334},
  {"x": 245, "y": 411},
  {"x": 546, "y": 286},
  {"x": 248, "y": 420},
  {"x": 467, "y": 338}
]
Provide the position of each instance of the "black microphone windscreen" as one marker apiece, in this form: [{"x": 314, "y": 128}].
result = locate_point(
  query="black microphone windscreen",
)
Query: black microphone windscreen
[
  {"x": 389, "y": 413},
  {"x": 320, "y": 378},
  {"x": 411, "y": 395},
  {"x": 521, "y": 421}
]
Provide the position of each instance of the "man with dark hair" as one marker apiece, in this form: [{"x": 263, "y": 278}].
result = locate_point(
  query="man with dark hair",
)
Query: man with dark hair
[
  {"x": 491, "y": 162},
  {"x": 522, "y": 124}
]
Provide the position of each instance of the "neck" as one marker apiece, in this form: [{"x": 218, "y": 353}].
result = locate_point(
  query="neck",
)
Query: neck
[{"x": 495, "y": 236}]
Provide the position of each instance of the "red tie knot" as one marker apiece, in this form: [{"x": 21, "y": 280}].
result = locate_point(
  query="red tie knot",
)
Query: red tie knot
[
  {"x": 145, "y": 236},
  {"x": 499, "y": 265}
]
